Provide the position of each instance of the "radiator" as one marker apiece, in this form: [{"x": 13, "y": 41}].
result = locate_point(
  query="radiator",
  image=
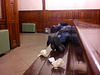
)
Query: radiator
[
  {"x": 28, "y": 27},
  {"x": 4, "y": 41}
]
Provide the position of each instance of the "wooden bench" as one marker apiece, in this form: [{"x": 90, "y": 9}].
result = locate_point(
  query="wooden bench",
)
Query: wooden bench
[
  {"x": 42, "y": 66},
  {"x": 72, "y": 54},
  {"x": 89, "y": 35}
]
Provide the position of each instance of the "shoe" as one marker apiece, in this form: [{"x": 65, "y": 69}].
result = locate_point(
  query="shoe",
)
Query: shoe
[
  {"x": 58, "y": 45},
  {"x": 53, "y": 47},
  {"x": 50, "y": 41}
]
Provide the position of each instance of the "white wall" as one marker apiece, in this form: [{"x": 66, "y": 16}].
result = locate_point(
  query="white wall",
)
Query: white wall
[
  {"x": 58, "y": 4},
  {"x": 29, "y": 5},
  {"x": 72, "y": 4}
]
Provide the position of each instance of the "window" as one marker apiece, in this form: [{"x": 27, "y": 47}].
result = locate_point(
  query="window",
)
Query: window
[
  {"x": 29, "y": 5},
  {"x": 72, "y": 4}
]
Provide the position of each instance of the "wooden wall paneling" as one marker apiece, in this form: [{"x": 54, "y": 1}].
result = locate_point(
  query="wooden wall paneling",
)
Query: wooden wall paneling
[
  {"x": 3, "y": 19},
  {"x": 39, "y": 27},
  {"x": 53, "y": 17},
  {"x": 48, "y": 24},
  {"x": 23, "y": 15},
  {"x": 94, "y": 15},
  {"x": 31, "y": 16},
  {"x": 48, "y": 19},
  {"x": 45, "y": 19},
  {"x": 64, "y": 15},
  {"x": 67, "y": 14},
  {"x": 99, "y": 17},
  {"x": 39, "y": 17},
  {"x": 20, "y": 21},
  {"x": 76, "y": 14},
  {"x": 20, "y": 16},
  {"x": 91, "y": 16},
  {"x": 70, "y": 14},
  {"x": 39, "y": 20},
  {"x": 48, "y": 16},
  {"x": 59, "y": 15},
  {"x": 34, "y": 16},
  {"x": 2, "y": 27},
  {"x": 3, "y": 9},
  {"x": 88, "y": 14},
  {"x": 27, "y": 17},
  {"x": 3, "y": 24},
  {"x": 81, "y": 14},
  {"x": 43, "y": 26}
]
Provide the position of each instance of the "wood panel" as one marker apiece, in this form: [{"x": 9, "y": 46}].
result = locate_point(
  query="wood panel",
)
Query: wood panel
[
  {"x": 10, "y": 21},
  {"x": 3, "y": 19},
  {"x": 53, "y": 17},
  {"x": 14, "y": 24}
]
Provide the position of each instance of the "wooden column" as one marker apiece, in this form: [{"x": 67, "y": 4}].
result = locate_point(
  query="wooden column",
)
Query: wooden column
[
  {"x": 13, "y": 22},
  {"x": 43, "y": 2}
]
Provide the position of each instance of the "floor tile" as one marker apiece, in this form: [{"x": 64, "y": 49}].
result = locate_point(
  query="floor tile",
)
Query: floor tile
[{"x": 17, "y": 60}]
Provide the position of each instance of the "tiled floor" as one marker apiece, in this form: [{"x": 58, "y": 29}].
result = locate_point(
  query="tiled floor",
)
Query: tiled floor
[{"x": 17, "y": 61}]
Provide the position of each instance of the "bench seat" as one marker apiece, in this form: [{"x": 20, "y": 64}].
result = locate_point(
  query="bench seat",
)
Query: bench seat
[
  {"x": 42, "y": 66},
  {"x": 72, "y": 57}
]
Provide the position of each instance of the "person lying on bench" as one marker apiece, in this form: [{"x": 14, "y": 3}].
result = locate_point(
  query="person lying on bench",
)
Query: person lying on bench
[{"x": 60, "y": 39}]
